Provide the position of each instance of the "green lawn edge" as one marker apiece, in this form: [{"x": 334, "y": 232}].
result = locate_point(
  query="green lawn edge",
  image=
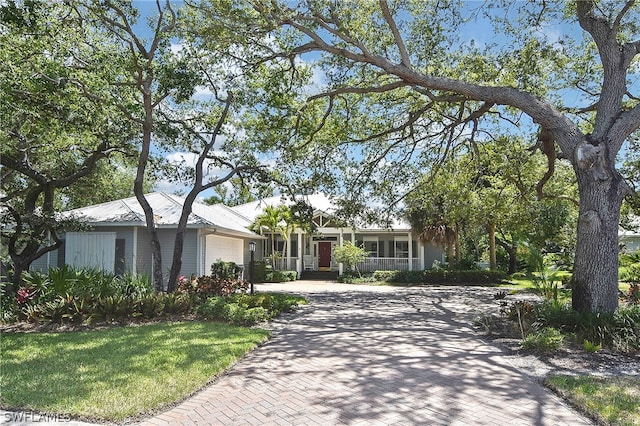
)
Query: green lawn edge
[{"x": 118, "y": 373}]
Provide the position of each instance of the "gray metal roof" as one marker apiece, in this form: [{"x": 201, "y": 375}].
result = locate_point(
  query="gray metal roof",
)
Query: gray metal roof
[
  {"x": 320, "y": 203},
  {"x": 167, "y": 209}
]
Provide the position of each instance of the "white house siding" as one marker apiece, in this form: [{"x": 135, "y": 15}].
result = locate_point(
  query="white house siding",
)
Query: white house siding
[
  {"x": 167, "y": 239},
  {"x": 91, "y": 250},
  {"x": 431, "y": 254},
  {"x": 630, "y": 243},
  {"x": 50, "y": 260}
]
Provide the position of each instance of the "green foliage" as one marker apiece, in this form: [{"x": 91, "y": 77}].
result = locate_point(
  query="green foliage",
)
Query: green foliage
[
  {"x": 225, "y": 270},
  {"x": 259, "y": 271},
  {"x": 208, "y": 286},
  {"x": 633, "y": 294},
  {"x": 548, "y": 339},
  {"x": 590, "y": 347},
  {"x": 59, "y": 123},
  {"x": 350, "y": 255},
  {"x": 472, "y": 277},
  {"x": 353, "y": 278},
  {"x": 247, "y": 309},
  {"x": 280, "y": 276},
  {"x": 76, "y": 296},
  {"x": 620, "y": 330},
  {"x": 84, "y": 283}
]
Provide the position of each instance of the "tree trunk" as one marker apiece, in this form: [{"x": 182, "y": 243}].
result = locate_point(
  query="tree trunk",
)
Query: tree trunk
[
  {"x": 458, "y": 248},
  {"x": 178, "y": 245},
  {"x": 451, "y": 254},
  {"x": 492, "y": 246},
  {"x": 513, "y": 259},
  {"x": 595, "y": 270}
]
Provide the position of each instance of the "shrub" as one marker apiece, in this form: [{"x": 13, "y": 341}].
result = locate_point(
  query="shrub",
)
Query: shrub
[
  {"x": 259, "y": 271},
  {"x": 546, "y": 340},
  {"x": 350, "y": 278},
  {"x": 208, "y": 286},
  {"x": 441, "y": 276},
  {"x": 632, "y": 295},
  {"x": 620, "y": 331},
  {"x": 350, "y": 255},
  {"x": 212, "y": 308},
  {"x": 280, "y": 276},
  {"x": 225, "y": 270},
  {"x": 247, "y": 309}
]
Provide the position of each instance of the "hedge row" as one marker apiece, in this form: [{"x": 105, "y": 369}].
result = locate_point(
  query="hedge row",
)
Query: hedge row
[{"x": 441, "y": 276}]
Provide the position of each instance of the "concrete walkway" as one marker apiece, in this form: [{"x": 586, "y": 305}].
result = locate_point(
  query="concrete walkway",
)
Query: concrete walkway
[{"x": 360, "y": 355}]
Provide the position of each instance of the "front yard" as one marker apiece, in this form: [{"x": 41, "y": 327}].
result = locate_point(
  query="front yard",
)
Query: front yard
[{"x": 117, "y": 373}]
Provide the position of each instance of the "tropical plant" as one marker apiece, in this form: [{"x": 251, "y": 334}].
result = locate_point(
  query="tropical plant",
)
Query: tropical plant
[{"x": 350, "y": 255}]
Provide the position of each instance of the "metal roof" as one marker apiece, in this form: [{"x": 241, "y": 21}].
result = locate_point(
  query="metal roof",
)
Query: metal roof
[
  {"x": 167, "y": 209},
  {"x": 320, "y": 203}
]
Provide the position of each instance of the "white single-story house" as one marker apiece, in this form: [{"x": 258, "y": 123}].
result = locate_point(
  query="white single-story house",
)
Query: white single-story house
[
  {"x": 629, "y": 238},
  {"x": 391, "y": 248},
  {"x": 118, "y": 241}
]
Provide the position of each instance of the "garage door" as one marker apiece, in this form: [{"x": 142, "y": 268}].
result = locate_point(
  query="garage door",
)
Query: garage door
[{"x": 222, "y": 248}]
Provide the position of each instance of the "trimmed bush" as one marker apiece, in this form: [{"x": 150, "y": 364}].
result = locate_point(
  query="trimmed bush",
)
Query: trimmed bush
[
  {"x": 246, "y": 309},
  {"x": 280, "y": 276},
  {"x": 441, "y": 276},
  {"x": 225, "y": 270},
  {"x": 259, "y": 271}
]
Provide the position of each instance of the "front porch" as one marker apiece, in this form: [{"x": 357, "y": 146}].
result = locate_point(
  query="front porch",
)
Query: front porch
[{"x": 390, "y": 250}]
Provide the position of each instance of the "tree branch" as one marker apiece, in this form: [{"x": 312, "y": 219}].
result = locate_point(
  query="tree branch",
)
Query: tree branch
[{"x": 404, "y": 55}]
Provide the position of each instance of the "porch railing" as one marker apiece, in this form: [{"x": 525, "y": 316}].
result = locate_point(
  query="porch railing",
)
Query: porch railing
[
  {"x": 286, "y": 264},
  {"x": 388, "y": 264},
  {"x": 369, "y": 265}
]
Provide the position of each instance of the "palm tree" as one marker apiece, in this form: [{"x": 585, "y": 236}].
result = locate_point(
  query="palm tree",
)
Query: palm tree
[{"x": 271, "y": 219}]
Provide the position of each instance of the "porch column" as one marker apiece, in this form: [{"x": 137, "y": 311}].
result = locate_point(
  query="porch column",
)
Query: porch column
[
  {"x": 421, "y": 255},
  {"x": 341, "y": 240},
  {"x": 49, "y": 252},
  {"x": 288, "y": 261},
  {"x": 410, "y": 251},
  {"x": 134, "y": 264},
  {"x": 300, "y": 251},
  {"x": 353, "y": 236}
]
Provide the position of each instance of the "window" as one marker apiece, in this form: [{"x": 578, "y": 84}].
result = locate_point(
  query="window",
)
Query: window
[
  {"x": 372, "y": 248},
  {"x": 402, "y": 249}
]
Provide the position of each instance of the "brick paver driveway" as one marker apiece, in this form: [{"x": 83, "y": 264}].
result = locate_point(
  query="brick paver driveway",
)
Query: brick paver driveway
[{"x": 375, "y": 355}]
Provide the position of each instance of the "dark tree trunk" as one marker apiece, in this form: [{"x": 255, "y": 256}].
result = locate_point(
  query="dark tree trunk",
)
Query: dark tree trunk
[
  {"x": 492, "y": 246},
  {"x": 178, "y": 246},
  {"x": 512, "y": 251},
  {"x": 595, "y": 276}
]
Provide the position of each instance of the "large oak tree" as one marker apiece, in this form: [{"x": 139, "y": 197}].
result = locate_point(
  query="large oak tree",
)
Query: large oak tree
[{"x": 400, "y": 76}]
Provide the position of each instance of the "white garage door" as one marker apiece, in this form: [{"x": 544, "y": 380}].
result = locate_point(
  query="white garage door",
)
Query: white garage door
[
  {"x": 222, "y": 248},
  {"x": 91, "y": 250}
]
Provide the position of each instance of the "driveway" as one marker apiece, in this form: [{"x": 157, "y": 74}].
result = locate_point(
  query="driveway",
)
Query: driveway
[{"x": 365, "y": 355}]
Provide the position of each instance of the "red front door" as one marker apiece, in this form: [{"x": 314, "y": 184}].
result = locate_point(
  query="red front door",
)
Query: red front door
[{"x": 324, "y": 254}]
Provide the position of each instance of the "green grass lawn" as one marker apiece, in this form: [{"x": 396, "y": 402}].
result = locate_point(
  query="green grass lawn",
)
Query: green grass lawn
[
  {"x": 117, "y": 373},
  {"x": 613, "y": 400}
]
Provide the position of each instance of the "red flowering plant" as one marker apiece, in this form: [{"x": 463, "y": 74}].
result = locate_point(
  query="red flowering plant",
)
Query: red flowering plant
[
  {"x": 25, "y": 295},
  {"x": 208, "y": 286}
]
